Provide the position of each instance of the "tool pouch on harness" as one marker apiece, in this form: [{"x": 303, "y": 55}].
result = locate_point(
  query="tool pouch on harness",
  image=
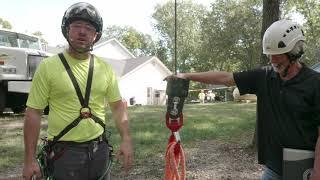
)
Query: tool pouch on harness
[{"x": 44, "y": 159}]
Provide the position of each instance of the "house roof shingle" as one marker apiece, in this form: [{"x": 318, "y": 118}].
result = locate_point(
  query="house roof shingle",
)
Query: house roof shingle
[{"x": 122, "y": 67}]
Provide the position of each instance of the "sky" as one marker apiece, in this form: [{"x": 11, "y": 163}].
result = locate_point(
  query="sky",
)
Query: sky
[{"x": 45, "y": 15}]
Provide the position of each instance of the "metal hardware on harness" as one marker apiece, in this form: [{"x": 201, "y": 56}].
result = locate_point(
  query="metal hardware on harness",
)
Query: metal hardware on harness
[
  {"x": 85, "y": 112},
  {"x": 44, "y": 160}
]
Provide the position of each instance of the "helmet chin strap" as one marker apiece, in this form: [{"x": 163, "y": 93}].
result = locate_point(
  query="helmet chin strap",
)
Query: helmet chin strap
[
  {"x": 286, "y": 70},
  {"x": 292, "y": 59}
]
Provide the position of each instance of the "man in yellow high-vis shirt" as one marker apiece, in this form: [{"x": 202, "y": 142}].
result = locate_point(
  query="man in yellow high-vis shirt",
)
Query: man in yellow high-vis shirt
[{"x": 76, "y": 85}]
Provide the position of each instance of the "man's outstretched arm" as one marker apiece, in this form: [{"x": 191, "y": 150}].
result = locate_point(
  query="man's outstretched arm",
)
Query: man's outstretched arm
[{"x": 210, "y": 77}]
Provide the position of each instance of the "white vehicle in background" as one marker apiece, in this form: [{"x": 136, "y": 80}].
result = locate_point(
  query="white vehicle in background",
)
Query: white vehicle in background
[{"x": 20, "y": 55}]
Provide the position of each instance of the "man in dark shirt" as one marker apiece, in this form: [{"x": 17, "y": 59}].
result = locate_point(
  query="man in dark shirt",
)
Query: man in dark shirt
[{"x": 288, "y": 95}]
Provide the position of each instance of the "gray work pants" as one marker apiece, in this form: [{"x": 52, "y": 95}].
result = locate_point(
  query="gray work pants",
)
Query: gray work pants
[{"x": 81, "y": 162}]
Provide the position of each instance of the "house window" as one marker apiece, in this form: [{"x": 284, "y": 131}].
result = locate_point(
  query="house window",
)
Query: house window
[
  {"x": 157, "y": 94},
  {"x": 149, "y": 91}
]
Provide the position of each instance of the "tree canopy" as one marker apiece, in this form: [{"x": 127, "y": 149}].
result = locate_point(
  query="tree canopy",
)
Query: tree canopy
[
  {"x": 5, "y": 24},
  {"x": 309, "y": 10},
  {"x": 188, "y": 31},
  {"x": 225, "y": 36},
  {"x": 138, "y": 43}
]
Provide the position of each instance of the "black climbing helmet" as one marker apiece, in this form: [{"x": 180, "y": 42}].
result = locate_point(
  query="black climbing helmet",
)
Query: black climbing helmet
[{"x": 82, "y": 11}]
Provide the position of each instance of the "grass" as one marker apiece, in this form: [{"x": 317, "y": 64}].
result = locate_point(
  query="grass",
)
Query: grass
[
  {"x": 230, "y": 122},
  {"x": 11, "y": 148}
]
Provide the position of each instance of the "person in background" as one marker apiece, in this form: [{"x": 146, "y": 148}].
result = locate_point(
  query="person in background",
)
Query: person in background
[
  {"x": 210, "y": 96},
  {"x": 82, "y": 153},
  {"x": 201, "y": 96},
  {"x": 288, "y": 93}
]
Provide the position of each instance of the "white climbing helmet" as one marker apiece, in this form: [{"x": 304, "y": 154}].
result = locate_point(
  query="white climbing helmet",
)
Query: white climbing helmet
[{"x": 281, "y": 37}]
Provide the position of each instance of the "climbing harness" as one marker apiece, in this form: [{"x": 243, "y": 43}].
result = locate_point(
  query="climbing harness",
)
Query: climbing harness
[
  {"x": 46, "y": 156},
  {"x": 177, "y": 91}
]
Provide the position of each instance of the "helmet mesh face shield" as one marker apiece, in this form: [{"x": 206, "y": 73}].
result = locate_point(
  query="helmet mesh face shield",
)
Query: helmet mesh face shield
[
  {"x": 82, "y": 11},
  {"x": 281, "y": 37}
]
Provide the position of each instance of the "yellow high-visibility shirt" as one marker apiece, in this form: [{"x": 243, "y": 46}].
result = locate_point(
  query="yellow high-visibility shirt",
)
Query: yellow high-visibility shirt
[{"x": 51, "y": 85}]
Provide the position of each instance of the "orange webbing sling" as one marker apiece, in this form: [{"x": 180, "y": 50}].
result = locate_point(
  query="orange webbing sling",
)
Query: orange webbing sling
[{"x": 175, "y": 158}]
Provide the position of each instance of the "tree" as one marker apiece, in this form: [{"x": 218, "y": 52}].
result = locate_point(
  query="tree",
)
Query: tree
[
  {"x": 271, "y": 13},
  {"x": 5, "y": 24},
  {"x": 113, "y": 32},
  {"x": 310, "y": 11},
  {"x": 189, "y": 17},
  {"x": 44, "y": 43},
  {"x": 40, "y": 35},
  {"x": 162, "y": 52},
  {"x": 230, "y": 36},
  {"x": 138, "y": 43}
]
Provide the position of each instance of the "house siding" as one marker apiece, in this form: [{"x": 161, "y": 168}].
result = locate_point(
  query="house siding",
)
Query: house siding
[
  {"x": 136, "y": 76},
  {"x": 137, "y": 83}
]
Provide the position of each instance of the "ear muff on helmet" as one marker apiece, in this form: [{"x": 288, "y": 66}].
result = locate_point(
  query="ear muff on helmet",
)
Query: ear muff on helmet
[
  {"x": 281, "y": 37},
  {"x": 82, "y": 11},
  {"x": 297, "y": 51}
]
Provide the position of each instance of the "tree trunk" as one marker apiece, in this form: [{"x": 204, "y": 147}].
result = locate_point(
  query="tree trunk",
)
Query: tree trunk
[{"x": 271, "y": 13}]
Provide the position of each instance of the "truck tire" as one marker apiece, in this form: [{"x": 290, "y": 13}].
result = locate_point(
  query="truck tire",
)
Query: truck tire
[
  {"x": 17, "y": 102},
  {"x": 18, "y": 109},
  {"x": 2, "y": 99}
]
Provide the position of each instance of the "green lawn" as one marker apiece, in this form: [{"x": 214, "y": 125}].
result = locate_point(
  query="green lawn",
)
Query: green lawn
[{"x": 230, "y": 122}]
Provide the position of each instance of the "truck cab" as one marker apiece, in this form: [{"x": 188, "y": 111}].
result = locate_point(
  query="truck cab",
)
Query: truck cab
[{"x": 20, "y": 55}]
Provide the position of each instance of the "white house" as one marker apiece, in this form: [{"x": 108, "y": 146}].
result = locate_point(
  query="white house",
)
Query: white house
[{"x": 140, "y": 78}]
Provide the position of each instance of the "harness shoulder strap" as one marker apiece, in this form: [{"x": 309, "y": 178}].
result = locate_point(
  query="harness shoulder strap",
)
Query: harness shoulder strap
[{"x": 83, "y": 101}]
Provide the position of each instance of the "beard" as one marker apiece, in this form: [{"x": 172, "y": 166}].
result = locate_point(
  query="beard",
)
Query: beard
[
  {"x": 278, "y": 67},
  {"x": 80, "y": 45}
]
